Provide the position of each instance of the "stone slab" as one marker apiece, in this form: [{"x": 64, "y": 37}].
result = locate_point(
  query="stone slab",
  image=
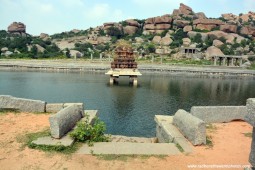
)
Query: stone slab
[
  {"x": 219, "y": 114},
  {"x": 250, "y": 117},
  {"x": 64, "y": 121},
  {"x": 92, "y": 115},
  {"x": 81, "y": 106},
  {"x": 21, "y": 104},
  {"x": 125, "y": 148},
  {"x": 252, "y": 154},
  {"x": 54, "y": 107},
  {"x": 48, "y": 140},
  {"x": 167, "y": 132},
  {"x": 119, "y": 138},
  {"x": 191, "y": 127}
]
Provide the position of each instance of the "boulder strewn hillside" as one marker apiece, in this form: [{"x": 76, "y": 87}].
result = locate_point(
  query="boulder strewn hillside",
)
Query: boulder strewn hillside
[{"x": 229, "y": 34}]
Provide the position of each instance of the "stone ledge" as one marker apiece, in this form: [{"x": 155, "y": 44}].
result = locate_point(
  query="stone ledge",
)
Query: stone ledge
[{"x": 49, "y": 141}]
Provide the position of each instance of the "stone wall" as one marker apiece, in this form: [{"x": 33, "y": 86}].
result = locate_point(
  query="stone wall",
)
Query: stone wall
[
  {"x": 219, "y": 114},
  {"x": 191, "y": 127},
  {"x": 65, "y": 120},
  {"x": 20, "y": 104}
]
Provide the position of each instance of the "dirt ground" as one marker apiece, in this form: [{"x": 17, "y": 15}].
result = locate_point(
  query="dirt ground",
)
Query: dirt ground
[{"x": 230, "y": 150}]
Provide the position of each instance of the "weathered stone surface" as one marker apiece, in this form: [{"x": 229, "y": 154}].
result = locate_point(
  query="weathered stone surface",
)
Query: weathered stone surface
[
  {"x": 166, "y": 41},
  {"x": 92, "y": 115},
  {"x": 186, "y": 42},
  {"x": 229, "y": 16},
  {"x": 252, "y": 154},
  {"x": 65, "y": 120},
  {"x": 76, "y": 53},
  {"x": 217, "y": 43},
  {"x": 17, "y": 27},
  {"x": 181, "y": 23},
  {"x": 4, "y": 49},
  {"x": 162, "y": 26},
  {"x": 208, "y": 27},
  {"x": 219, "y": 114},
  {"x": 250, "y": 117},
  {"x": 228, "y": 28},
  {"x": 103, "y": 39},
  {"x": 192, "y": 34},
  {"x": 217, "y": 34},
  {"x": 39, "y": 48},
  {"x": 132, "y": 22},
  {"x": 54, "y": 107},
  {"x": 156, "y": 39},
  {"x": 80, "y": 105},
  {"x": 150, "y": 21},
  {"x": 130, "y": 30},
  {"x": 208, "y": 22},
  {"x": 200, "y": 15},
  {"x": 149, "y": 27},
  {"x": 248, "y": 30},
  {"x": 163, "y": 19},
  {"x": 44, "y": 36},
  {"x": 184, "y": 9},
  {"x": 49, "y": 141},
  {"x": 24, "y": 105},
  {"x": 213, "y": 51},
  {"x": 167, "y": 132},
  {"x": 119, "y": 138},
  {"x": 191, "y": 127},
  {"x": 187, "y": 28}
]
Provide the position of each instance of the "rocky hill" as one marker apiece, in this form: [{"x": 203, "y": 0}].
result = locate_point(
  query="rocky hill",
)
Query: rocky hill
[{"x": 162, "y": 35}]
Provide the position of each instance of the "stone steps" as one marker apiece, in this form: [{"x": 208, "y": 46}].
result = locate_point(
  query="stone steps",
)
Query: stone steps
[{"x": 128, "y": 148}]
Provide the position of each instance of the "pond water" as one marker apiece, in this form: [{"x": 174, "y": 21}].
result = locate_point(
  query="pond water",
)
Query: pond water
[{"x": 128, "y": 110}]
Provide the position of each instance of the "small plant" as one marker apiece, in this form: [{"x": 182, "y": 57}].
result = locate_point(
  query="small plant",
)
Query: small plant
[
  {"x": 85, "y": 132},
  {"x": 209, "y": 142},
  {"x": 249, "y": 134}
]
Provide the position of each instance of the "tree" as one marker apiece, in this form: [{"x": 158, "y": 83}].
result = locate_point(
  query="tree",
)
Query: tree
[
  {"x": 197, "y": 38},
  {"x": 68, "y": 55},
  {"x": 114, "y": 31},
  {"x": 151, "y": 48}
]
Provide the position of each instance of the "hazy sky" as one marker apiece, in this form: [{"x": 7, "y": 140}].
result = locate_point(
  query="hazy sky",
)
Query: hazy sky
[{"x": 56, "y": 16}]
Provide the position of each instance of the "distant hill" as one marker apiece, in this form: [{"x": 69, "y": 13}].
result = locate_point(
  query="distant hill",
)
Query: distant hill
[{"x": 161, "y": 35}]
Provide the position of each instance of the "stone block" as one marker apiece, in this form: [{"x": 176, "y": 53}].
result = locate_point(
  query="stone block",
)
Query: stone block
[
  {"x": 80, "y": 105},
  {"x": 219, "y": 114},
  {"x": 250, "y": 117},
  {"x": 65, "y": 120},
  {"x": 92, "y": 115},
  {"x": 23, "y": 105},
  {"x": 49, "y": 141},
  {"x": 191, "y": 127},
  {"x": 252, "y": 154},
  {"x": 54, "y": 107}
]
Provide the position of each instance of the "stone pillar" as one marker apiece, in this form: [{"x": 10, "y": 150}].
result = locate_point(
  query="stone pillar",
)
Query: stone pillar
[
  {"x": 91, "y": 56},
  {"x": 101, "y": 56},
  {"x": 111, "y": 80},
  {"x": 215, "y": 60},
  {"x": 135, "y": 82},
  {"x": 241, "y": 62},
  {"x": 232, "y": 61},
  {"x": 152, "y": 59},
  {"x": 224, "y": 61},
  {"x": 252, "y": 154}
]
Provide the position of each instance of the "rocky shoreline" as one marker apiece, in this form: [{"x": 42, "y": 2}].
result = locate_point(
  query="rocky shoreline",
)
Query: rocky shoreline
[{"x": 102, "y": 66}]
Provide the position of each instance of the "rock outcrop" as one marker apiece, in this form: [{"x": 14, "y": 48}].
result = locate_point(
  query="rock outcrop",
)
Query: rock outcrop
[
  {"x": 158, "y": 24},
  {"x": 207, "y": 24},
  {"x": 17, "y": 28},
  {"x": 131, "y": 27},
  {"x": 228, "y": 28},
  {"x": 213, "y": 51}
]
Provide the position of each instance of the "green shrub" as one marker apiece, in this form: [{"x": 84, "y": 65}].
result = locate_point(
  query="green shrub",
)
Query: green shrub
[{"x": 88, "y": 133}]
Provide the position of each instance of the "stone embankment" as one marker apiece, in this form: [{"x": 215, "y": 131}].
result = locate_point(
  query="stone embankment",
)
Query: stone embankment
[{"x": 103, "y": 66}]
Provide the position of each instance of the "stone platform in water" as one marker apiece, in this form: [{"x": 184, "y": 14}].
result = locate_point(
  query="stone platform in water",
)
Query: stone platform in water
[
  {"x": 127, "y": 148},
  {"x": 123, "y": 72}
]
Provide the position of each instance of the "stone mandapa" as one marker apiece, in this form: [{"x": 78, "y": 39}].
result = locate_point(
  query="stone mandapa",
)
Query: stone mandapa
[
  {"x": 64, "y": 121},
  {"x": 191, "y": 127},
  {"x": 250, "y": 117},
  {"x": 24, "y": 105},
  {"x": 219, "y": 114}
]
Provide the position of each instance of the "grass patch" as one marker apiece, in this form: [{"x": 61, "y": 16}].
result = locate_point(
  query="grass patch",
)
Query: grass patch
[
  {"x": 249, "y": 134},
  {"x": 211, "y": 128},
  {"x": 8, "y": 110},
  {"x": 209, "y": 142},
  {"x": 27, "y": 139},
  {"x": 179, "y": 147},
  {"x": 124, "y": 158}
]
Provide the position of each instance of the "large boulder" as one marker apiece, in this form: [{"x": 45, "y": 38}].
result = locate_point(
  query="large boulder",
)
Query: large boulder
[
  {"x": 186, "y": 42},
  {"x": 207, "y": 24},
  {"x": 248, "y": 30},
  {"x": 186, "y": 10},
  {"x": 229, "y": 16},
  {"x": 156, "y": 39},
  {"x": 217, "y": 34},
  {"x": 76, "y": 54},
  {"x": 181, "y": 23},
  {"x": 208, "y": 27},
  {"x": 40, "y": 49},
  {"x": 4, "y": 49},
  {"x": 44, "y": 36},
  {"x": 192, "y": 34},
  {"x": 166, "y": 41},
  {"x": 187, "y": 28},
  {"x": 132, "y": 22},
  {"x": 163, "y": 19},
  {"x": 228, "y": 28},
  {"x": 103, "y": 39},
  {"x": 17, "y": 27},
  {"x": 217, "y": 43},
  {"x": 162, "y": 26},
  {"x": 213, "y": 51},
  {"x": 200, "y": 15},
  {"x": 130, "y": 30}
]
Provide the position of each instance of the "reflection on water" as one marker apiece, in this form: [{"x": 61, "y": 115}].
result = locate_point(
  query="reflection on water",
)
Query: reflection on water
[{"x": 127, "y": 110}]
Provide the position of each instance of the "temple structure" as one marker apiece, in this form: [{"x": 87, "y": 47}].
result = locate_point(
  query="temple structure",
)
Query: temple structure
[{"x": 124, "y": 65}]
